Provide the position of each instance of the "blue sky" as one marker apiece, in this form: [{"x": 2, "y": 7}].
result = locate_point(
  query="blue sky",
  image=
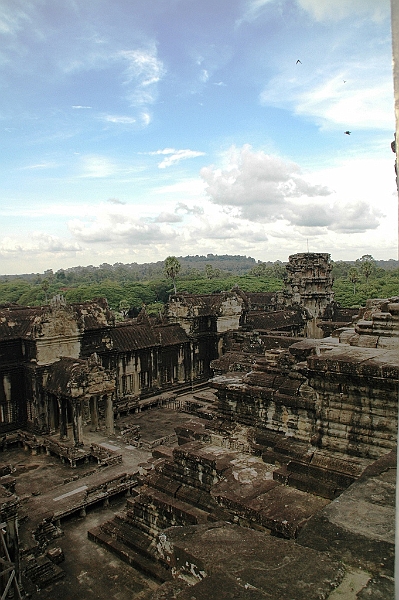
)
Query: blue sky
[{"x": 134, "y": 130}]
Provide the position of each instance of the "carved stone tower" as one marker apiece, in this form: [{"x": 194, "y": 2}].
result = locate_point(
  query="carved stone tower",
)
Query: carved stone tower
[{"x": 309, "y": 284}]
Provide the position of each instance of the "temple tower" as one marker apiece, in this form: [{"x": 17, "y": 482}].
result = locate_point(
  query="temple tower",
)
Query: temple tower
[{"x": 309, "y": 284}]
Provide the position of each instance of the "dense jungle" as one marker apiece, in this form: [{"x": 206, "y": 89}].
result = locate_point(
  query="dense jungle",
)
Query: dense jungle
[{"x": 127, "y": 287}]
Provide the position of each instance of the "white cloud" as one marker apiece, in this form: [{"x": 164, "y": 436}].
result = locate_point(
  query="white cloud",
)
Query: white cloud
[
  {"x": 39, "y": 166},
  {"x": 97, "y": 166},
  {"x": 326, "y": 10},
  {"x": 36, "y": 243},
  {"x": 364, "y": 101},
  {"x": 259, "y": 185},
  {"x": 195, "y": 210},
  {"x": 252, "y": 10},
  {"x": 119, "y": 119},
  {"x": 78, "y": 106},
  {"x": 357, "y": 217},
  {"x": 175, "y": 156},
  {"x": 115, "y": 201},
  {"x": 120, "y": 225},
  {"x": 165, "y": 217},
  {"x": 12, "y": 20},
  {"x": 144, "y": 70},
  {"x": 145, "y": 118}
]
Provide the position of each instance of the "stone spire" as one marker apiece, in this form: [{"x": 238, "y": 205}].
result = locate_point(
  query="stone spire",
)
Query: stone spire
[{"x": 309, "y": 284}]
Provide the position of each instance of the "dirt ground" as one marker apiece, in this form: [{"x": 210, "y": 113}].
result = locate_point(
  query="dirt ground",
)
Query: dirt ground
[{"x": 91, "y": 572}]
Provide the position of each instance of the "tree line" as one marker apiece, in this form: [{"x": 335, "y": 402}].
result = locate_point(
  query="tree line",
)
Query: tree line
[{"x": 354, "y": 282}]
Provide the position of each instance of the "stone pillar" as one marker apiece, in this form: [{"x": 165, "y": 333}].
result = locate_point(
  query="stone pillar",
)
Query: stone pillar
[
  {"x": 63, "y": 418},
  {"x": 51, "y": 412},
  {"x": 181, "y": 375},
  {"x": 109, "y": 414},
  {"x": 136, "y": 383},
  {"x": 77, "y": 423},
  {"x": 94, "y": 413},
  {"x": 192, "y": 355}
]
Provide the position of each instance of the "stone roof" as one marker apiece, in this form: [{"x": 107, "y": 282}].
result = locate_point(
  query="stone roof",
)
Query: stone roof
[
  {"x": 27, "y": 322},
  {"x": 74, "y": 377},
  {"x": 65, "y": 374},
  {"x": 17, "y": 321},
  {"x": 202, "y": 304},
  {"x": 260, "y": 299},
  {"x": 233, "y": 361},
  {"x": 135, "y": 336},
  {"x": 271, "y": 321},
  {"x": 170, "y": 334}
]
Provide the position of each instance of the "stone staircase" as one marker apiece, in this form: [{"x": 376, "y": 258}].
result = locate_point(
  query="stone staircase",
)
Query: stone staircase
[
  {"x": 172, "y": 495},
  {"x": 325, "y": 474},
  {"x": 41, "y": 571}
]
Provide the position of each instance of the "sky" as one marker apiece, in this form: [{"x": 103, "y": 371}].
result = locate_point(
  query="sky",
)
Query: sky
[{"x": 133, "y": 130}]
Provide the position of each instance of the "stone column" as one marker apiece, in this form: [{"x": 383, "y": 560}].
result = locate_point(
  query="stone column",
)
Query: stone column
[
  {"x": 181, "y": 374},
  {"x": 77, "y": 423},
  {"x": 109, "y": 414},
  {"x": 94, "y": 413},
  {"x": 136, "y": 384},
  {"x": 62, "y": 402},
  {"x": 51, "y": 412}
]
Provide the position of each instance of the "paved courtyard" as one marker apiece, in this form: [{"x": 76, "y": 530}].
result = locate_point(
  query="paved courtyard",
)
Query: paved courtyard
[{"x": 44, "y": 484}]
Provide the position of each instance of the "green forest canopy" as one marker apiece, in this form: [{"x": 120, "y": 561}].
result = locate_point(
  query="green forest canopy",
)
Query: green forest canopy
[{"x": 135, "y": 284}]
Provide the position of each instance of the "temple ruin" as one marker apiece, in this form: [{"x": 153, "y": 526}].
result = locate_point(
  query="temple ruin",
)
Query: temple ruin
[{"x": 248, "y": 439}]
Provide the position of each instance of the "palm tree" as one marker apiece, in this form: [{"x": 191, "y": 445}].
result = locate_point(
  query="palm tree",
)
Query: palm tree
[
  {"x": 171, "y": 269},
  {"x": 367, "y": 267},
  {"x": 353, "y": 276}
]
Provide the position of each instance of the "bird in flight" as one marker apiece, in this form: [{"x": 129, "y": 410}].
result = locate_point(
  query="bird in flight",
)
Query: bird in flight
[
  {"x": 347, "y": 132},
  {"x": 298, "y": 61},
  {"x": 344, "y": 80}
]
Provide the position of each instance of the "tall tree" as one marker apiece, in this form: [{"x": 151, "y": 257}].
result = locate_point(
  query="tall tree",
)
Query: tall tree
[
  {"x": 353, "y": 276},
  {"x": 171, "y": 269},
  {"x": 367, "y": 267}
]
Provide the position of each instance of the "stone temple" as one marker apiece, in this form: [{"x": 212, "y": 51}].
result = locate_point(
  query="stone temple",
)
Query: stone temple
[{"x": 241, "y": 446}]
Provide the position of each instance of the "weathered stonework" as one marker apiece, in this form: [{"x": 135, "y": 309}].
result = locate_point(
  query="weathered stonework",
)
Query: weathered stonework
[{"x": 309, "y": 284}]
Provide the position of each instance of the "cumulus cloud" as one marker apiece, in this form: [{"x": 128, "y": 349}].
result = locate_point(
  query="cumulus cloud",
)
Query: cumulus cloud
[
  {"x": 184, "y": 208},
  {"x": 37, "y": 243},
  {"x": 174, "y": 156},
  {"x": 259, "y": 185},
  {"x": 266, "y": 189},
  {"x": 350, "y": 218},
  {"x": 325, "y": 10},
  {"x": 118, "y": 226},
  {"x": 165, "y": 217}
]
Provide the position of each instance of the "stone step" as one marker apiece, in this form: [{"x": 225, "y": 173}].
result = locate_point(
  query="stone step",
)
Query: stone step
[
  {"x": 329, "y": 477},
  {"x": 132, "y": 537},
  {"x": 42, "y": 572},
  {"x": 167, "y": 510},
  {"x": 163, "y": 483},
  {"x": 196, "y": 497},
  {"x": 147, "y": 566},
  {"x": 188, "y": 476},
  {"x": 310, "y": 484}
]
